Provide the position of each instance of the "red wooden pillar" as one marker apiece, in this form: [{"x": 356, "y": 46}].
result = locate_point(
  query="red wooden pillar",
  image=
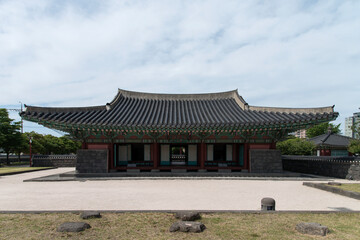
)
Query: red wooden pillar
[
  {"x": 83, "y": 145},
  {"x": 246, "y": 156},
  {"x": 202, "y": 155}
]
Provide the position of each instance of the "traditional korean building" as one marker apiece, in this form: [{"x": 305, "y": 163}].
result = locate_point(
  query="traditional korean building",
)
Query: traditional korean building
[
  {"x": 162, "y": 132},
  {"x": 331, "y": 144}
]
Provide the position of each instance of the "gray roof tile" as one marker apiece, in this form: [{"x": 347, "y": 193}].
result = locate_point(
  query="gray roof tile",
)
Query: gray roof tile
[{"x": 129, "y": 109}]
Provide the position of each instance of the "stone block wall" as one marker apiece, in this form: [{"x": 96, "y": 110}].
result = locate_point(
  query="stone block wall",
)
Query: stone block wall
[
  {"x": 14, "y": 158},
  {"x": 92, "y": 161},
  {"x": 339, "y": 167},
  {"x": 354, "y": 172},
  {"x": 54, "y": 161},
  {"x": 265, "y": 161}
]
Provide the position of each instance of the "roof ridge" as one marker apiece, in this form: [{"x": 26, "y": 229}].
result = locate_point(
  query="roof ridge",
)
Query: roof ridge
[
  {"x": 326, "y": 137},
  {"x": 60, "y": 109},
  {"x": 329, "y": 109},
  {"x": 177, "y": 96}
]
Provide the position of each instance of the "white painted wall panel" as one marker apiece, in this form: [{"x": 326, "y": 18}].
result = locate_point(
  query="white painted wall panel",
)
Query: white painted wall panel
[
  {"x": 122, "y": 152},
  {"x": 165, "y": 153},
  {"x": 147, "y": 152},
  {"x": 229, "y": 152},
  {"x": 192, "y": 153}
]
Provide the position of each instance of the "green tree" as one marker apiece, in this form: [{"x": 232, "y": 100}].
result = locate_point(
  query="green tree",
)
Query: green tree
[
  {"x": 48, "y": 144},
  {"x": 37, "y": 146},
  {"x": 52, "y": 144},
  {"x": 10, "y": 135},
  {"x": 296, "y": 146},
  {"x": 69, "y": 145},
  {"x": 356, "y": 130},
  {"x": 354, "y": 146},
  {"x": 322, "y": 129},
  {"x": 22, "y": 146}
]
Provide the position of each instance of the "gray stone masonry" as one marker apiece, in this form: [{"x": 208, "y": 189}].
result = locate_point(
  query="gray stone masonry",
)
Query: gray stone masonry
[
  {"x": 265, "y": 161},
  {"x": 353, "y": 172},
  {"x": 54, "y": 161},
  {"x": 346, "y": 167},
  {"x": 92, "y": 161}
]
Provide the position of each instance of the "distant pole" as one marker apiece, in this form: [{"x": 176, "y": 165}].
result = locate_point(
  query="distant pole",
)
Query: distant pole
[
  {"x": 22, "y": 124},
  {"x": 30, "y": 141}
]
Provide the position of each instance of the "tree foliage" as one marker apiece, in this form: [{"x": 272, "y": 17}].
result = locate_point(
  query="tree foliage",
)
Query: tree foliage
[
  {"x": 322, "y": 129},
  {"x": 48, "y": 144},
  {"x": 354, "y": 146},
  {"x": 13, "y": 141},
  {"x": 356, "y": 129},
  {"x": 10, "y": 135},
  {"x": 296, "y": 146}
]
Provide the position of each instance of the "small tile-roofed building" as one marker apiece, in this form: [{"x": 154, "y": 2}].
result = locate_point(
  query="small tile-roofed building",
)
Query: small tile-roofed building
[
  {"x": 147, "y": 131},
  {"x": 331, "y": 144}
]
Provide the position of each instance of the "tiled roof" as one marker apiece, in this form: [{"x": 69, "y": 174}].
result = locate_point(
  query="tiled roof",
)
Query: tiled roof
[
  {"x": 331, "y": 139},
  {"x": 136, "y": 109}
]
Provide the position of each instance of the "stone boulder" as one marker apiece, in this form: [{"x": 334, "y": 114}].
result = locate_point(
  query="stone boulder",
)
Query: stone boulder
[
  {"x": 312, "y": 228},
  {"x": 187, "y": 216},
  {"x": 73, "y": 227},
  {"x": 186, "y": 226},
  {"x": 87, "y": 215}
]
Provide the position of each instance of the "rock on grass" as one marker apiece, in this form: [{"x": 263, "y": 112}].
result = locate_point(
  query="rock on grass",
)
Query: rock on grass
[
  {"x": 73, "y": 227},
  {"x": 312, "y": 228},
  {"x": 187, "y": 216},
  {"x": 186, "y": 226},
  {"x": 87, "y": 215}
]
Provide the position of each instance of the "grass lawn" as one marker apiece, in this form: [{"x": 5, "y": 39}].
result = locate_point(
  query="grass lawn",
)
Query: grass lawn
[
  {"x": 156, "y": 226},
  {"x": 6, "y": 170},
  {"x": 354, "y": 187}
]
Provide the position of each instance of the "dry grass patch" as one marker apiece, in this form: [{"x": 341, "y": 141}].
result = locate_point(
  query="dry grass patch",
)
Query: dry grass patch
[
  {"x": 156, "y": 226},
  {"x": 354, "y": 187},
  {"x": 6, "y": 170}
]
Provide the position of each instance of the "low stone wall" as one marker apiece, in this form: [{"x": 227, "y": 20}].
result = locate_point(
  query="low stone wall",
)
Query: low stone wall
[
  {"x": 265, "y": 161},
  {"x": 92, "y": 161},
  {"x": 14, "y": 158},
  {"x": 339, "y": 167},
  {"x": 54, "y": 161}
]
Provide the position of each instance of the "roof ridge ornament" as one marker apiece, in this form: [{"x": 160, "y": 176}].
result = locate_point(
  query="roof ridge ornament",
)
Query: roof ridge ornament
[{"x": 108, "y": 106}]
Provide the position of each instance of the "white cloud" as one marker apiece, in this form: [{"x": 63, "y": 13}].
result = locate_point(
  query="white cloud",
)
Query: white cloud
[{"x": 277, "y": 53}]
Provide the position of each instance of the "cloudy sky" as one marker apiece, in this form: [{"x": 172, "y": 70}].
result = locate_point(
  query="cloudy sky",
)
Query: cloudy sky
[{"x": 276, "y": 53}]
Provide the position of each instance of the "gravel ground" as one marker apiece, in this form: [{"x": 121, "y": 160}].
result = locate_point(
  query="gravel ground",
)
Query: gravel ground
[{"x": 16, "y": 195}]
